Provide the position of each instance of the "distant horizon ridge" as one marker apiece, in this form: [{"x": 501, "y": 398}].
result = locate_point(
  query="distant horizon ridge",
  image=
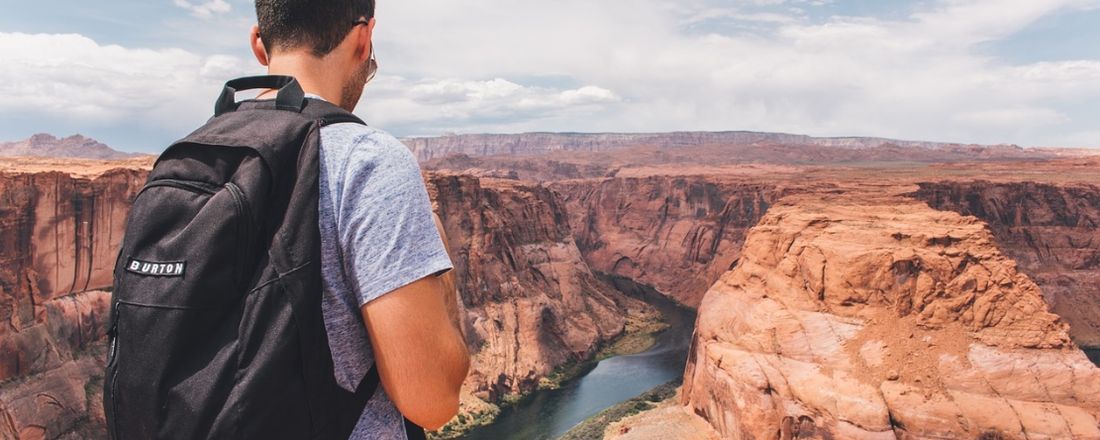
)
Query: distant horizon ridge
[
  {"x": 78, "y": 145},
  {"x": 720, "y": 132}
]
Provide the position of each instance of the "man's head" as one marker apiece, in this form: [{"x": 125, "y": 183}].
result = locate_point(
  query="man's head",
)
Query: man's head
[{"x": 327, "y": 37}]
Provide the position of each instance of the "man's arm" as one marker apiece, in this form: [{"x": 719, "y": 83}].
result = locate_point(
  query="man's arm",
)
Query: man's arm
[
  {"x": 448, "y": 280},
  {"x": 418, "y": 348}
]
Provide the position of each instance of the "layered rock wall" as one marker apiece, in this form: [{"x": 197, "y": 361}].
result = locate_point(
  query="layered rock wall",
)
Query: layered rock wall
[
  {"x": 678, "y": 234},
  {"x": 532, "y": 303},
  {"x": 59, "y": 236},
  {"x": 869, "y": 315},
  {"x": 1051, "y": 231}
]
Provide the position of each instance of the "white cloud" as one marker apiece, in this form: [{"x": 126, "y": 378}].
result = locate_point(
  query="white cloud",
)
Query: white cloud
[
  {"x": 737, "y": 14},
  {"x": 205, "y": 9},
  {"x": 72, "y": 77},
  {"x": 925, "y": 76},
  {"x": 628, "y": 65},
  {"x": 1012, "y": 118},
  {"x": 426, "y": 106}
]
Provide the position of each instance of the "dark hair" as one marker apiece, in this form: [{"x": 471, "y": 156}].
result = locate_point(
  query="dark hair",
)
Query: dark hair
[{"x": 318, "y": 24}]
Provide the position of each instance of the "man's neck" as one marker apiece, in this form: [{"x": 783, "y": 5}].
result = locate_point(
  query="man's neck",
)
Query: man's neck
[{"x": 311, "y": 73}]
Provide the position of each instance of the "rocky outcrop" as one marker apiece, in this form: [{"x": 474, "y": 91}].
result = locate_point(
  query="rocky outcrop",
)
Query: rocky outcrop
[
  {"x": 677, "y": 234},
  {"x": 531, "y": 303},
  {"x": 75, "y": 146},
  {"x": 857, "y": 314},
  {"x": 59, "y": 236},
  {"x": 1053, "y": 233},
  {"x": 666, "y": 421}
]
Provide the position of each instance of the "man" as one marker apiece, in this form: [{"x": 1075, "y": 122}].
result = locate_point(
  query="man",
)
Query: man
[{"x": 389, "y": 297}]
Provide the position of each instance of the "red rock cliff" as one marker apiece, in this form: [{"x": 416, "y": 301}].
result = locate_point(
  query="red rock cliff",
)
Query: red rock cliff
[
  {"x": 870, "y": 315},
  {"x": 531, "y": 302},
  {"x": 59, "y": 236},
  {"x": 1053, "y": 233},
  {"x": 677, "y": 234}
]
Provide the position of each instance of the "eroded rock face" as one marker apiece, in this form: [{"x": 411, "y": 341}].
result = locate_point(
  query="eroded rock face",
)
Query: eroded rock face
[
  {"x": 1053, "y": 233},
  {"x": 678, "y": 234},
  {"x": 870, "y": 315},
  {"x": 59, "y": 237},
  {"x": 531, "y": 302}
]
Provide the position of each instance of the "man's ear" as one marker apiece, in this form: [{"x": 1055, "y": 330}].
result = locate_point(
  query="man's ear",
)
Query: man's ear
[
  {"x": 258, "y": 49},
  {"x": 363, "y": 36}
]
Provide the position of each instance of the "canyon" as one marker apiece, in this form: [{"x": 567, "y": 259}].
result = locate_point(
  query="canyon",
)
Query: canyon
[
  {"x": 846, "y": 287},
  {"x": 531, "y": 303},
  {"x": 677, "y": 234}
]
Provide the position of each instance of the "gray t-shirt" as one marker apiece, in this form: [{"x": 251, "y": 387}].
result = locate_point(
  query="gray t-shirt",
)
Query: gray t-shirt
[{"x": 377, "y": 235}]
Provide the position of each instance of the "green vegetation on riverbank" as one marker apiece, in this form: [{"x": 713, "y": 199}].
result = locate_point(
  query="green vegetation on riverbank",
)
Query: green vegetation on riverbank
[
  {"x": 594, "y": 427},
  {"x": 639, "y": 335},
  {"x": 466, "y": 422}
]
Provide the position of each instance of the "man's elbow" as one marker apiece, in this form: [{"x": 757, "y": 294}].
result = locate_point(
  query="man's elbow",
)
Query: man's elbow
[
  {"x": 433, "y": 415},
  {"x": 431, "y": 410}
]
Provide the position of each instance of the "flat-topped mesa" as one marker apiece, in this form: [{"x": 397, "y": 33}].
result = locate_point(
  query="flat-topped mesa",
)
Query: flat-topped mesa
[
  {"x": 870, "y": 315},
  {"x": 75, "y": 146},
  {"x": 531, "y": 302},
  {"x": 677, "y": 234},
  {"x": 1051, "y": 231}
]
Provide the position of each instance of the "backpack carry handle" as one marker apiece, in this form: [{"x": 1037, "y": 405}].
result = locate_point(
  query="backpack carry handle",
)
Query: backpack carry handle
[{"x": 291, "y": 96}]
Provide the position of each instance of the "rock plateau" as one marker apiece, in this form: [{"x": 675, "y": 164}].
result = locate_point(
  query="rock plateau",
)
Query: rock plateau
[{"x": 857, "y": 314}]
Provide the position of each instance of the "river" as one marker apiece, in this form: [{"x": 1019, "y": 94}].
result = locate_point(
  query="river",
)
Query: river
[
  {"x": 548, "y": 414},
  {"x": 1093, "y": 354}
]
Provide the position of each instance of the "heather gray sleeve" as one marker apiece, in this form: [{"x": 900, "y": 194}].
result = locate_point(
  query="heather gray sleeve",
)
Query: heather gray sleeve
[{"x": 386, "y": 231}]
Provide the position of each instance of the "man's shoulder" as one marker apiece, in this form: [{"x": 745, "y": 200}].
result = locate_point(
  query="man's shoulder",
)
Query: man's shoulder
[
  {"x": 350, "y": 134},
  {"x": 362, "y": 143}
]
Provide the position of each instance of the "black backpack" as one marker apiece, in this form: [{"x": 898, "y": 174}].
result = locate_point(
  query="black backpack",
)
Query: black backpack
[{"x": 216, "y": 328}]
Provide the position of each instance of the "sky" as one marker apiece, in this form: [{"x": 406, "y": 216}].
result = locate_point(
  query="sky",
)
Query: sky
[{"x": 138, "y": 74}]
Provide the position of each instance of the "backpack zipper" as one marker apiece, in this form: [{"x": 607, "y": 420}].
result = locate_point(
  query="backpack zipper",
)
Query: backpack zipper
[
  {"x": 190, "y": 185},
  {"x": 114, "y": 382}
]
